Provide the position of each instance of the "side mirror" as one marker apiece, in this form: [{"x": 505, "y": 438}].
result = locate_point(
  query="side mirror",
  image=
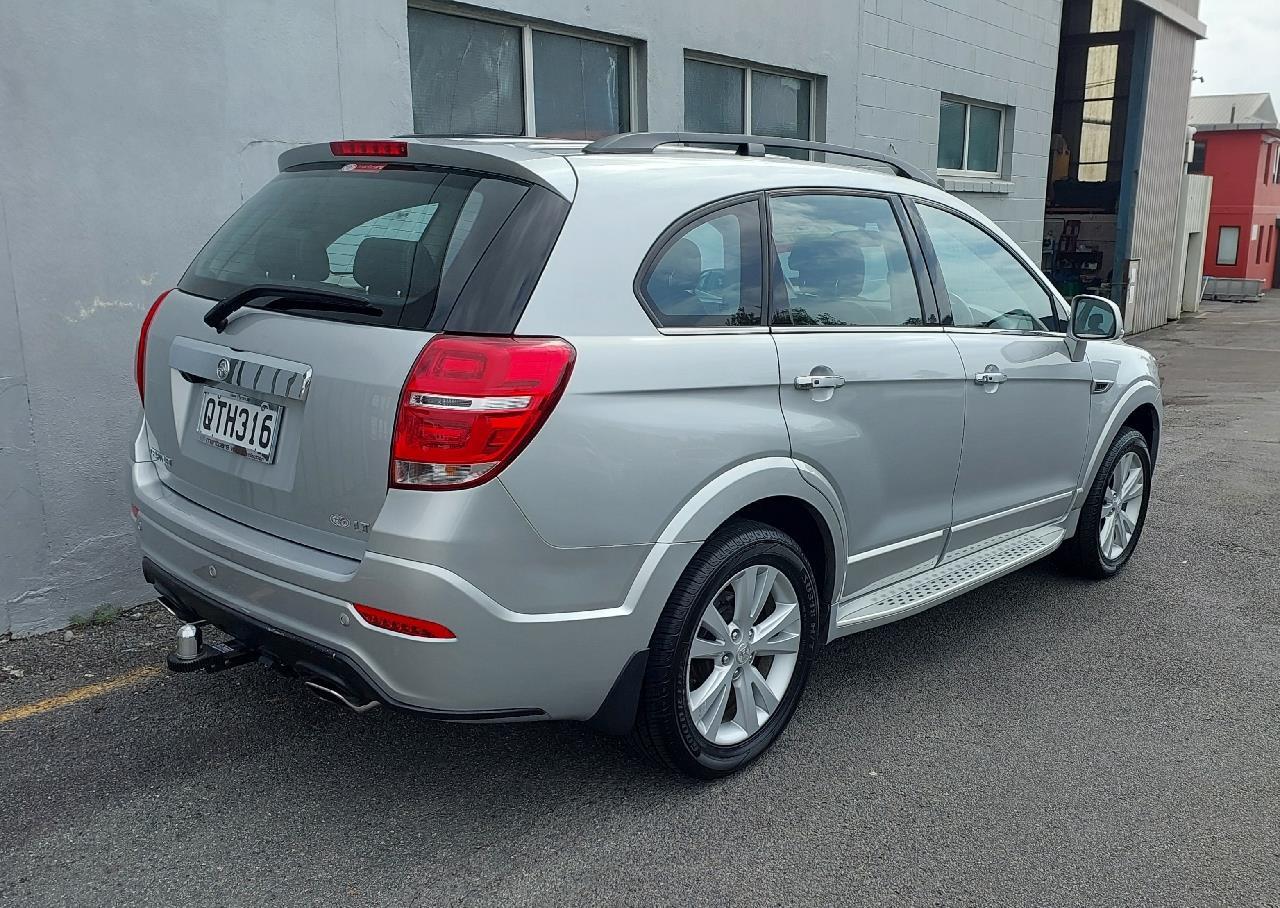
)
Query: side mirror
[{"x": 1095, "y": 318}]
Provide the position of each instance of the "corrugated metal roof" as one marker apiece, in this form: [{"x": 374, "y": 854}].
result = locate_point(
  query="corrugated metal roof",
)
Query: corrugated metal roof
[{"x": 1242, "y": 111}]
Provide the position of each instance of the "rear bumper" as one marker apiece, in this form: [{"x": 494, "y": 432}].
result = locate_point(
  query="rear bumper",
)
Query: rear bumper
[
  {"x": 297, "y": 655},
  {"x": 504, "y": 664}
]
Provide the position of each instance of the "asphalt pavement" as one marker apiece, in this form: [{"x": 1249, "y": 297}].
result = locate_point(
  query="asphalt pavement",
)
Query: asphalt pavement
[{"x": 1041, "y": 741}]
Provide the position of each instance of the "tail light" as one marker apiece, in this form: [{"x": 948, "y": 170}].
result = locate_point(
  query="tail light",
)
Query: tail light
[
  {"x": 471, "y": 404},
  {"x": 404, "y": 624},
  {"x": 140, "y": 355}
]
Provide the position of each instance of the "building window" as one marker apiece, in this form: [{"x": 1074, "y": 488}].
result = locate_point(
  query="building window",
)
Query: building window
[
  {"x": 480, "y": 77},
  {"x": 1275, "y": 163},
  {"x": 724, "y": 97},
  {"x": 1199, "y": 152},
  {"x": 1228, "y": 245},
  {"x": 970, "y": 138},
  {"x": 1259, "y": 232}
]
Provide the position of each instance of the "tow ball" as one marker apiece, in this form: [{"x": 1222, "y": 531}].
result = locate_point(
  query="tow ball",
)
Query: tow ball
[{"x": 192, "y": 654}]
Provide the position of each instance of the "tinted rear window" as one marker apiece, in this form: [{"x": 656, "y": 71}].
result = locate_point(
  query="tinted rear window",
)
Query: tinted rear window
[{"x": 407, "y": 239}]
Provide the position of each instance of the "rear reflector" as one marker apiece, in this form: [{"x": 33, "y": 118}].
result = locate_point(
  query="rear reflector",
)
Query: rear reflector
[
  {"x": 369, "y": 148},
  {"x": 140, "y": 353},
  {"x": 404, "y": 624},
  {"x": 471, "y": 404}
]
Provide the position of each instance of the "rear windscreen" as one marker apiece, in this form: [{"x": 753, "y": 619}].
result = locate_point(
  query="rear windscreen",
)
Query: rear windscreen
[{"x": 405, "y": 239}]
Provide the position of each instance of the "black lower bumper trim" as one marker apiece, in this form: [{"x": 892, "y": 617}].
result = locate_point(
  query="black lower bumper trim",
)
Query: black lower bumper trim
[{"x": 296, "y": 655}]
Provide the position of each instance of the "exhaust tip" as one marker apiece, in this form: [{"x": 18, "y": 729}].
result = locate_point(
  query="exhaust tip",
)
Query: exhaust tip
[{"x": 330, "y": 695}]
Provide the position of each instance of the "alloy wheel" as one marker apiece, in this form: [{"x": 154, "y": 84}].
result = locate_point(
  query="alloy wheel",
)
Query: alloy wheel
[
  {"x": 743, "y": 654},
  {"x": 1121, "y": 506}
]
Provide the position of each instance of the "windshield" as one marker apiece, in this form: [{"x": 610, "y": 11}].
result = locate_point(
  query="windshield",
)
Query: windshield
[{"x": 403, "y": 238}]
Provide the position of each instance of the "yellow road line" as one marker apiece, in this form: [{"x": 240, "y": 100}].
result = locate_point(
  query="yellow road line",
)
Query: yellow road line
[{"x": 88, "y": 692}]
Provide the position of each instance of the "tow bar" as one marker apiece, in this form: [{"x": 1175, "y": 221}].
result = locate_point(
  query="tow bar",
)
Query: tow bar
[{"x": 192, "y": 654}]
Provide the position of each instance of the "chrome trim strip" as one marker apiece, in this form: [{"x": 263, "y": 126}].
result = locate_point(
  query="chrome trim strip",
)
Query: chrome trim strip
[
  {"x": 717, "y": 329},
  {"x": 893, "y": 547},
  {"x": 955, "y": 330},
  {"x": 852, "y": 329},
  {"x": 253, "y": 372},
  {"x": 970, "y": 524}
]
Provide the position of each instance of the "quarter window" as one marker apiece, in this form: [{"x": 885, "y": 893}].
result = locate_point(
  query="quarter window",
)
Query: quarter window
[
  {"x": 468, "y": 77},
  {"x": 987, "y": 285},
  {"x": 709, "y": 274},
  {"x": 841, "y": 262}
]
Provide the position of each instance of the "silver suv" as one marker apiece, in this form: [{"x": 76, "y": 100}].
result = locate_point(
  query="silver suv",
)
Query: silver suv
[{"x": 521, "y": 429}]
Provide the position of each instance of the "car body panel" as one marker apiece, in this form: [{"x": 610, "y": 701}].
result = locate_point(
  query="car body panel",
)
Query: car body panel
[
  {"x": 1024, "y": 440},
  {"x": 888, "y": 440}
]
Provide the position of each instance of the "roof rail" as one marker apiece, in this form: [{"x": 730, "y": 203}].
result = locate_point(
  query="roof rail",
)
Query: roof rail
[{"x": 747, "y": 146}]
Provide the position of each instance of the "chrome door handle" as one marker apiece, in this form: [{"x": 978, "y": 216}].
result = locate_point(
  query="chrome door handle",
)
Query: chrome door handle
[
  {"x": 991, "y": 377},
  {"x": 809, "y": 382}
]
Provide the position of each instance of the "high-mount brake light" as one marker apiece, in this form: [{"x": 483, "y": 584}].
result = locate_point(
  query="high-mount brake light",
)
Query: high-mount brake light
[
  {"x": 471, "y": 404},
  {"x": 369, "y": 148}
]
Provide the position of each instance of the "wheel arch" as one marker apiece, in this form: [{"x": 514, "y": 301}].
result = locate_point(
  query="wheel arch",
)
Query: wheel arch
[{"x": 1140, "y": 408}]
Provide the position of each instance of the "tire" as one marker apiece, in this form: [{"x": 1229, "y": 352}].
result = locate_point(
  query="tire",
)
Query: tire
[
  {"x": 1087, "y": 553},
  {"x": 743, "y": 556}
]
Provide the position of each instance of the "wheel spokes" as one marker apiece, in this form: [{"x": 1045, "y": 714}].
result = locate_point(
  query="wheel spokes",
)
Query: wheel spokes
[
  {"x": 750, "y": 590},
  {"x": 708, "y": 702},
  {"x": 779, "y": 633},
  {"x": 748, "y": 715}
]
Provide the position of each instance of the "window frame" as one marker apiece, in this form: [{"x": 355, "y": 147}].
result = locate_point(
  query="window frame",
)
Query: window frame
[
  {"x": 966, "y": 171},
  {"x": 747, "y": 68},
  {"x": 1217, "y": 256},
  {"x": 676, "y": 229},
  {"x": 940, "y": 285},
  {"x": 527, "y": 28},
  {"x": 930, "y": 315}
]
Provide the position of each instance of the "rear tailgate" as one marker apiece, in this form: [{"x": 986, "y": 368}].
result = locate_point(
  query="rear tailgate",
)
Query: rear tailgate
[
  {"x": 283, "y": 420},
  {"x": 336, "y": 386}
]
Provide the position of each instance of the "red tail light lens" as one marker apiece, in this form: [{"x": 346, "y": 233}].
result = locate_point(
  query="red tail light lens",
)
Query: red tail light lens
[
  {"x": 140, "y": 354},
  {"x": 470, "y": 406},
  {"x": 366, "y": 148},
  {"x": 404, "y": 624}
]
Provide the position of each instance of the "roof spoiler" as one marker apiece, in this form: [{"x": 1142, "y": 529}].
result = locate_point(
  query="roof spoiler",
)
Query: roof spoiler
[{"x": 441, "y": 153}]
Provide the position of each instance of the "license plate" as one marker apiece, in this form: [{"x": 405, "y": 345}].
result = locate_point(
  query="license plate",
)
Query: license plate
[{"x": 239, "y": 424}]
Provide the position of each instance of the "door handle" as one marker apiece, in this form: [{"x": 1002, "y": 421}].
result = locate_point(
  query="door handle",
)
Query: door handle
[
  {"x": 809, "y": 382},
  {"x": 991, "y": 377}
]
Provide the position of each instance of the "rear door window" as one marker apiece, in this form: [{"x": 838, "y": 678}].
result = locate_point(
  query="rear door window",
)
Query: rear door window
[
  {"x": 403, "y": 238},
  {"x": 841, "y": 261}
]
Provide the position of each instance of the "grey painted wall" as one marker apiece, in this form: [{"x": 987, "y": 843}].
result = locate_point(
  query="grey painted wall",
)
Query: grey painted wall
[
  {"x": 1002, "y": 53},
  {"x": 132, "y": 129}
]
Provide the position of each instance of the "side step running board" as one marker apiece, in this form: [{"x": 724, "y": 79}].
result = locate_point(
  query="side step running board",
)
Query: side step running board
[{"x": 946, "y": 581}]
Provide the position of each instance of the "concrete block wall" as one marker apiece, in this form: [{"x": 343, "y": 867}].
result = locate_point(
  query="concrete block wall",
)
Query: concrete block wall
[
  {"x": 1003, "y": 53},
  {"x": 132, "y": 129}
]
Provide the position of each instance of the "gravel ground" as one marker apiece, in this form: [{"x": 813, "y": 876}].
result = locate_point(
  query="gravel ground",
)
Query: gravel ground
[{"x": 1042, "y": 741}]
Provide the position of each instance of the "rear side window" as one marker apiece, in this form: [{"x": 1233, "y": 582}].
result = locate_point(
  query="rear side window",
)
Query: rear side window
[
  {"x": 405, "y": 239},
  {"x": 708, "y": 274},
  {"x": 841, "y": 262}
]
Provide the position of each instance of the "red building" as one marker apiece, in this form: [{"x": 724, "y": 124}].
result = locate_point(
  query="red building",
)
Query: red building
[{"x": 1238, "y": 143}]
